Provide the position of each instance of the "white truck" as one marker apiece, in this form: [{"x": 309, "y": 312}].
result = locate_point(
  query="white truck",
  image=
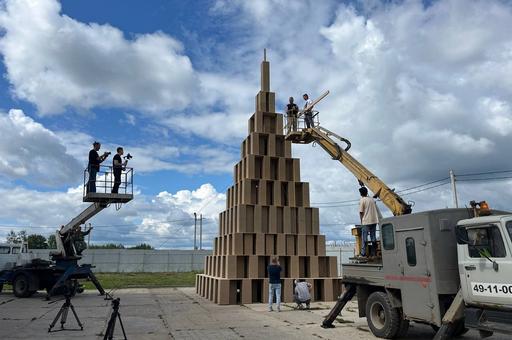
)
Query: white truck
[{"x": 450, "y": 268}]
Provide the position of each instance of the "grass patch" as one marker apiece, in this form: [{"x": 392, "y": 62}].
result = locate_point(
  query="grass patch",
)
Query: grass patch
[{"x": 144, "y": 280}]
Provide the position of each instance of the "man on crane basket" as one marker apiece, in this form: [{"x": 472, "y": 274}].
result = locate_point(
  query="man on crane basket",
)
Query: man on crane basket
[
  {"x": 308, "y": 114},
  {"x": 369, "y": 216},
  {"x": 292, "y": 110}
]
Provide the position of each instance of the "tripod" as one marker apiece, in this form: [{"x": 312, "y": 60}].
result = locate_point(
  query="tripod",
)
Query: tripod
[
  {"x": 109, "y": 334},
  {"x": 63, "y": 314}
]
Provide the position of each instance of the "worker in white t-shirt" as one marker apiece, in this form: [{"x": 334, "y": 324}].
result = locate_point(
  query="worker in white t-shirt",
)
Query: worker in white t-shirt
[{"x": 369, "y": 215}]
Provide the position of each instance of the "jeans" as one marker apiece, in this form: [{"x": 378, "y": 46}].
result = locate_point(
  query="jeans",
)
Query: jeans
[
  {"x": 274, "y": 288},
  {"x": 368, "y": 229},
  {"x": 308, "y": 119},
  {"x": 91, "y": 184}
]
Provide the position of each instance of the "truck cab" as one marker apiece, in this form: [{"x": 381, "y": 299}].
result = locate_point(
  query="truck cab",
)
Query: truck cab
[
  {"x": 13, "y": 254},
  {"x": 484, "y": 250}
]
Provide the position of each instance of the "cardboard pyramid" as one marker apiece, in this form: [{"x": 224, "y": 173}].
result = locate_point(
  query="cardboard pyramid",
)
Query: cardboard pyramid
[{"x": 267, "y": 214}]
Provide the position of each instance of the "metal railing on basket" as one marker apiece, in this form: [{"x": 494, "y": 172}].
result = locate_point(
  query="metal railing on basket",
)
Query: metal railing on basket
[
  {"x": 294, "y": 124},
  {"x": 104, "y": 181}
]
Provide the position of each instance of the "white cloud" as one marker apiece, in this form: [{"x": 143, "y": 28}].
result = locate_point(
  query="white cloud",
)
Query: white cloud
[
  {"x": 56, "y": 62},
  {"x": 165, "y": 219},
  {"x": 31, "y": 152}
]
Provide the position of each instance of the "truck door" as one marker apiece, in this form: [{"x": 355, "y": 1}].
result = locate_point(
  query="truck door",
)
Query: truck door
[
  {"x": 417, "y": 303},
  {"x": 483, "y": 282}
]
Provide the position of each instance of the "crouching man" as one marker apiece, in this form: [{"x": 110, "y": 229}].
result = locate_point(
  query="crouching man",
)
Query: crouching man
[{"x": 302, "y": 293}]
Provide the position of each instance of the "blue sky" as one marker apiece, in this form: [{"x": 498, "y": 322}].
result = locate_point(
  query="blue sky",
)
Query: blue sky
[{"x": 419, "y": 87}]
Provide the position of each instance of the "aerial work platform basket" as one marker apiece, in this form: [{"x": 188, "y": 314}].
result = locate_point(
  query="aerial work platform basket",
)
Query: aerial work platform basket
[{"x": 99, "y": 189}]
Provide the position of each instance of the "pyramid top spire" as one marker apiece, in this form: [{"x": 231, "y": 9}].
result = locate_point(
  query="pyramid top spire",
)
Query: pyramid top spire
[{"x": 265, "y": 73}]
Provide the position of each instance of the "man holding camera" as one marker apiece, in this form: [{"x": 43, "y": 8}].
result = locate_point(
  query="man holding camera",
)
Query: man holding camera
[
  {"x": 118, "y": 165},
  {"x": 94, "y": 165}
]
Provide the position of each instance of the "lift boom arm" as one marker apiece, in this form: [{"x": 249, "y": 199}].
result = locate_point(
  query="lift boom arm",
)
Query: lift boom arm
[
  {"x": 392, "y": 200},
  {"x": 85, "y": 215}
]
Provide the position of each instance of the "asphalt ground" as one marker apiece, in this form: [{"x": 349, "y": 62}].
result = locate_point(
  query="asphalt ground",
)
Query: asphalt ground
[{"x": 178, "y": 313}]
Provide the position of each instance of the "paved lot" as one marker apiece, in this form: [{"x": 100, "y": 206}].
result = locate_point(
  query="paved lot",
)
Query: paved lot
[{"x": 171, "y": 313}]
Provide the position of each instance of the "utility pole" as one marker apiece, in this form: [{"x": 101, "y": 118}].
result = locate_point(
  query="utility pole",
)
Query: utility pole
[
  {"x": 195, "y": 230},
  {"x": 454, "y": 189},
  {"x": 201, "y": 232}
]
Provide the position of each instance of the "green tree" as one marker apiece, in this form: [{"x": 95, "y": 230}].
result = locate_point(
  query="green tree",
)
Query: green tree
[
  {"x": 145, "y": 246},
  {"x": 106, "y": 246},
  {"x": 52, "y": 243},
  {"x": 36, "y": 241},
  {"x": 14, "y": 237}
]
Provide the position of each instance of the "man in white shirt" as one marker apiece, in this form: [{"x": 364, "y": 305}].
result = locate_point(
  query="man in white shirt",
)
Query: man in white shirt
[
  {"x": 301, "y": 294},
  {"x": 308, "y": 114},
  {"x": 369, "y": 215}
]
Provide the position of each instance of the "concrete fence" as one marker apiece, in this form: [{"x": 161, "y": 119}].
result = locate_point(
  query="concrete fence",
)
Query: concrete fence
[
  {"x": 153, "y": 261},
  {"x": 133, "y": 260}
]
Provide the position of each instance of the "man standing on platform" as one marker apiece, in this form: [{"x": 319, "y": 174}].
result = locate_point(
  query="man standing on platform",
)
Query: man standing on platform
[
  {"x": 117, "y": 169},
  {"x": 292, "y": 111},
  {"x": 369, "y": 216},
  {"x": 308, "y": 114},
  {"x": 274, "y": 283},
  {"x": 94, "y": 165}
]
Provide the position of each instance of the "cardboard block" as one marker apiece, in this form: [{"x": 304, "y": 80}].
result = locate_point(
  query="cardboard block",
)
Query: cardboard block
[
  {"x": 253, "y": 270},
  {"x": 258, "y": 219},
  {"x": 269, "y": 244},
  {"x": 333, "y": 266},
  {"x": 301, "y": 221},
  {"x": 238, "y": 244},
  {"x": 301, "y": 245},
  {"x": 310, "y": 245},
  {"x": 305, "y": 194},
  {"x": 287, "y": 288},
  {"x": 272, "y": 225},
  {"x": 313, "y": 266},
  {"x": 248, "y": 244},
  {"x": 294, "y": 267},
  {"x": 259, "y": 244},
  {"x": 320, "y": 245},
  {"x": 230, "y": 268},
  {"x": 290, "y": 244},
  {"x": 280, "y": 244},
  {"x": 246, "y": 291},
  {"x": 315, "y": 225},
  {"x": 287, "y": 220}
]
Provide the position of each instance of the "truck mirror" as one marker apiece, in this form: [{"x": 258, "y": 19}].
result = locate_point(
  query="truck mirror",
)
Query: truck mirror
[{"x": 495, "y": 266}]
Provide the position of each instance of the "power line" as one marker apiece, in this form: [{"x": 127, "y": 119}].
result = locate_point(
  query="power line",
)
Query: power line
[
  {"x": 485, "y": 173},
  {"x": 484, "y": 179},
  {"x": 425, "y": 184},
  {"x": 420, "y": 190}
]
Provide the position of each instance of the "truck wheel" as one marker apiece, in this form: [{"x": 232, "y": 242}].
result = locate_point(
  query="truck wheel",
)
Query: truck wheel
[
  {"x": 382, "y": 318},
  {"x": 21, "y": 285}
]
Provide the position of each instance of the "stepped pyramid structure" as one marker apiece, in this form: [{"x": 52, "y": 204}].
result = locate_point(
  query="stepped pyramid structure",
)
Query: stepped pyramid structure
[{"x": 267, "y": 214}]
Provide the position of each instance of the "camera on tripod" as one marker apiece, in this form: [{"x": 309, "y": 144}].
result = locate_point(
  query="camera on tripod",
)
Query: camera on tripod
[{"x": 128, "y": 156}]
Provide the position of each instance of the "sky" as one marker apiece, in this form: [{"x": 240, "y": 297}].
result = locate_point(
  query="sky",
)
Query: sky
[{"x": 418, "y": 87}]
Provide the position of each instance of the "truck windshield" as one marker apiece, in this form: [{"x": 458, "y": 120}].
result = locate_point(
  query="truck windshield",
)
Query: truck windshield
[
  {"x": 509, "y": 229},
  {"x": 15, "y": 250},
  {"x": 5, "y": 250}
]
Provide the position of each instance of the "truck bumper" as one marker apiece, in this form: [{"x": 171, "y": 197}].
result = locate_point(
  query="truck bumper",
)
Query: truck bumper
[{"x": 488, "y": 320}]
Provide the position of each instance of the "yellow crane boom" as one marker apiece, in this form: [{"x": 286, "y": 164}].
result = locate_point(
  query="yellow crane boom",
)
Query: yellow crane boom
[{"x": 322, "y": 137}]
